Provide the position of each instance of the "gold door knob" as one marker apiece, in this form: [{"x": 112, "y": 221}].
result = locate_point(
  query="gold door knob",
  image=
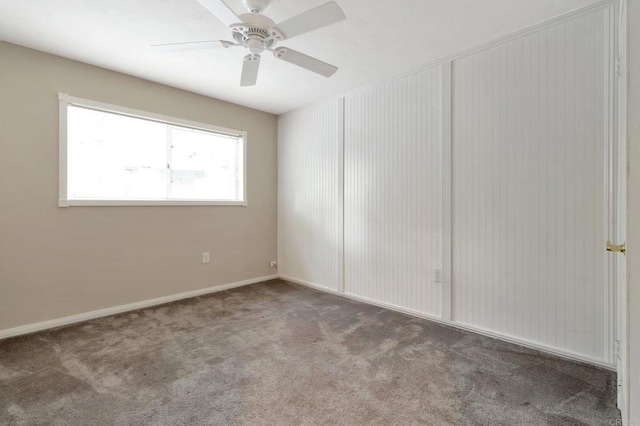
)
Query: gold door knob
[{"x": 622, "y": 248}]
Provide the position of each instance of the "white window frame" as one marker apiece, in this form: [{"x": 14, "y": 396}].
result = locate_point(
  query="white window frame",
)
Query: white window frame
[{"x": 65, "y": 100}]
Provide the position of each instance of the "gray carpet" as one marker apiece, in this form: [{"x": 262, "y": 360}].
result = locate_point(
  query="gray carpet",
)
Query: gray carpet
[{"x": 278, "y": 354}]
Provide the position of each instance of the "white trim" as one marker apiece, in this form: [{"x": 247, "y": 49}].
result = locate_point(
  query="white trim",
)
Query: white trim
[
  {"x": 610, "y": 181},
  {"x": 278, "y": 199},
  {"x": 475, "y": 49},
  {"x": 67, "y": 203},
  {"x": 59, "y": 322},
  {"x": 446, "y": 284},
  {"x": 62, "y": 148},
  {"x": 341, "y": 188},
  {"x": 146, "y": 115},
  {"x": 312, "y": 285},
  {"x": 245, "y": 170},
  {"x": 622, "y": 294},
  {"x": 64, "y": 100},
  {"x": 504, "y": 337}
]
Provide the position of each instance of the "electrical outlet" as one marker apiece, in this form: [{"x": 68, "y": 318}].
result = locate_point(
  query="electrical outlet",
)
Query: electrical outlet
[
  {"x": 205, "y": 257},
  {"x": 437, "y": 275},
  {"x": 273, "y": 264}
]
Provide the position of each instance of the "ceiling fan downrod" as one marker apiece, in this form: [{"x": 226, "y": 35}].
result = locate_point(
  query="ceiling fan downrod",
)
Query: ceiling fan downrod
[{"x": 255, "y": 6}]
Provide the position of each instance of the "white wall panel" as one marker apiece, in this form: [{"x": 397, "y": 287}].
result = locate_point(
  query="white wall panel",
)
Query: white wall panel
[
  {"x": 529, "y": 187},
  {"x": 310, "y": 194},
  {"x": 492, "y": 167},
  {"x": 393, "y": 190}
]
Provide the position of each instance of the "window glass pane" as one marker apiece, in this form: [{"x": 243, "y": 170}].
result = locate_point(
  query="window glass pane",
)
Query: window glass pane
[
  {"x": 205, "y": 165},
  {"x": 114, "y": 157}
]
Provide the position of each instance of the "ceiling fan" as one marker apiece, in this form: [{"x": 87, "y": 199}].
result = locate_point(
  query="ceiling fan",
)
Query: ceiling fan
[{"x": 258, "y": 33}]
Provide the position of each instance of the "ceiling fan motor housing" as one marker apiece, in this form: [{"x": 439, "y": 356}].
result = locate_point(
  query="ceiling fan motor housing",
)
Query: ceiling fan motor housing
[
  {"x": 256, "y": 6},
  {"x": 257, "y": 32}
]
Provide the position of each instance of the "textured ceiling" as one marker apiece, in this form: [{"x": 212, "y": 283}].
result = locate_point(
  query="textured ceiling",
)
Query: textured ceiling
[{"x": 379, "y": 39}]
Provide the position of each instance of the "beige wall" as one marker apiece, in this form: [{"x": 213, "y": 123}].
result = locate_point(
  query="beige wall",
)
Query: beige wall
[
  {"x": 56, "y": 262},
  {"x": 633, "y": 259}
]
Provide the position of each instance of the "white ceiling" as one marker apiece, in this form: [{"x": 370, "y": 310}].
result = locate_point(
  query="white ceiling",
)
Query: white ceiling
[{"x": 380, "y": 39}]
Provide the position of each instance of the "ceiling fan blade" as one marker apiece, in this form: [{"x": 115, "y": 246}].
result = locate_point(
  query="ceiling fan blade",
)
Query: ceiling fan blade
[
  {"x": 193, "y": 45},
  {"x": 221, "y": 11},
  {"x": 305, "y": 61},
  {"x": 326, "y": 14},
  {"x": 250, "y": 68}
]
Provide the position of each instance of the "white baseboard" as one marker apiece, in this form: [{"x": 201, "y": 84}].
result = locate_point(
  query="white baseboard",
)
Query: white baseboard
[
  {"x": 311, "y": 285},
  {"x": 510, "y": 339},
  {"x": 59, "y": 322}
]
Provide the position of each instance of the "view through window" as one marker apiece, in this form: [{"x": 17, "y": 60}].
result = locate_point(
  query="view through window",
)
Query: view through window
[{"x": 118, "y": 157}]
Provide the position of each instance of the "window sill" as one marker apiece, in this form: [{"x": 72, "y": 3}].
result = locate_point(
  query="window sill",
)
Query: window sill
[{"x": 115, "y": 203}]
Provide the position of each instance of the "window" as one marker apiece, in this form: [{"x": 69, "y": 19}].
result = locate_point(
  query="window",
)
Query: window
[{"x": 111, "y": 155}]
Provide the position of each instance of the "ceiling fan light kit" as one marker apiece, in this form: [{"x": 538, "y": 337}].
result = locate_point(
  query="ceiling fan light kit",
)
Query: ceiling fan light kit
[{"x": 257, "y": 33}]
